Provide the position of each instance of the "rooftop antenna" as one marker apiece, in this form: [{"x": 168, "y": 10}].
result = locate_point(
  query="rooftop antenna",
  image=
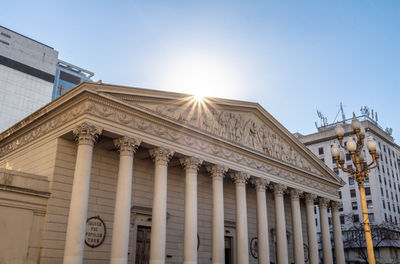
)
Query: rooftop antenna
[
  {"x": 340, "y": 111},
  {"x": 323, "y": 119}
]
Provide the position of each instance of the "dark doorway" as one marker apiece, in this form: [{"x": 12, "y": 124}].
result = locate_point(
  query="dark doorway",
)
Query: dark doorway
[
  {"x": 228, "y": 250},
  {"x": 143, "y": 245}
]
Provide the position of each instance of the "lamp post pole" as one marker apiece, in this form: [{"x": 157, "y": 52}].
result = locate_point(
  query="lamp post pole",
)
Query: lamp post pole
[{"x": 360, "y": 172}]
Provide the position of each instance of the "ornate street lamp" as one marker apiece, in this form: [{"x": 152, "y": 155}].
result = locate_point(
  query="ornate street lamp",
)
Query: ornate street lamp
[{"x": 360, "y": 173}]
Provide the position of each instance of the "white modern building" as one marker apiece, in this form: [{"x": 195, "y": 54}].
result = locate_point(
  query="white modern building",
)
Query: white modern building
[
  {"x": 30, "y": 76},
  {"x": 27, "y": 70},
  {"x": 383, "y": 187}
]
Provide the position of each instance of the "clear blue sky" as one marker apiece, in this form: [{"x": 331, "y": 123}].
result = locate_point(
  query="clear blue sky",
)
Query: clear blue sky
[{"x": 292, "y": 57}]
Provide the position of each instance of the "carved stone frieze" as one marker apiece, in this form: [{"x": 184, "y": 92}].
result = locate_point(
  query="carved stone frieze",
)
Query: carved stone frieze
[
  {"x": 242, "y": 128},
  {"x": 117, "y": 114},
  {"x": 45, "y": 128},
  {"x": 161, "y": 131}
]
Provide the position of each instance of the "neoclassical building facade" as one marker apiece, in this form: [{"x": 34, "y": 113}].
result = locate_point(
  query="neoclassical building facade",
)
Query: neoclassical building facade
[{"x": 111, "y": 174}]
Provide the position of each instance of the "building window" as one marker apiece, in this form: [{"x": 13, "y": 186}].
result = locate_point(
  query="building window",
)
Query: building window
[
  {"x": 388, "y": 205},
  {"x": 330, "y": 220},
  {"x": 371, "y": 217},
  {"x": 391, "y": 219},
  {"x": 336, "y": 170},
  {"x": 352, "y": 193},
  {"x": 354, "y": 205},
  {"x": 386, "y": 217},
  {"x": 351, "y": 181},
  {"x": 316, "y": 222},
  {"x": 342, "y": 219},
  {"x": 384, "y": 205},
  {"x": 356, "y": 218},
  {"x": 367, "y": 191},
  {"x": 341, "y": 208},
  {"x": 321, "y": 151},
  {"x": 382, "y": 192},
  {"x": 369, "y": 204},
  {"x": 340, "y": 194}
]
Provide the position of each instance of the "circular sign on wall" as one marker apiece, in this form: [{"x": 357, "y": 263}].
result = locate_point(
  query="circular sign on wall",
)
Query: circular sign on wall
[
  {"x": 254, "y": 247},
  {"x": 95, "y": 232}
]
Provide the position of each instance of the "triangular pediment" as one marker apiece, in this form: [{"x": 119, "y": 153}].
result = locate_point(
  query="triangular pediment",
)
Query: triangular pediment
[{"x": 242, "y": 123}]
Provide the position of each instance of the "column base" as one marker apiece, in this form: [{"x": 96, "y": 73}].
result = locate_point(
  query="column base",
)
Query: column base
[
  {"x": 157, "y": 261},
  {"x": 72, "y": 259},
  {"x": 189, "y": 262},
  {"x": 119, "y": 261}
]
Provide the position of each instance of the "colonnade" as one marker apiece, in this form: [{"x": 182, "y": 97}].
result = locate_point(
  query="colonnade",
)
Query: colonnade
[{"x": 74, "y": 245}]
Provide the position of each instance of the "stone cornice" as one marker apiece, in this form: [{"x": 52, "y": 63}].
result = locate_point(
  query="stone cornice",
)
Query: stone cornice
[{"x": 147, "y": 125}]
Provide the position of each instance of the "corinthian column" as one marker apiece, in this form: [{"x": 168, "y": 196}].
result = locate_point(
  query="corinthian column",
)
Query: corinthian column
[
  {"x": 86, "y": 135},
  {"x": 218, "y": 237},
  {"x": 311, "y": 228},
  {"x": 122, "y": 214},
  {"x": 262, "y": 221},
  {"x": 281, "y": 240},
  {"x": 242, "y": 247},
  {"x": 191, "y": 166},
  {"x": 337, "y": 233},
  {"x": 326, "y": 235},
  {"x": 297, "y": 230},
  {"x": 161, "y": 158}
]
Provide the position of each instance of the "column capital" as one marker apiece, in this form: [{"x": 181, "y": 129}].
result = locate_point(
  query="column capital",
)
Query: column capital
[
  {"x": 279, "y": 188},
  {"x": 260, "y": 184},
  {"x": 217, "y": 171},
  {"x": 240, "y": 177},
  {"x": 86, "y": 133},
  {"x": 323, "y": 202},
  {"x": 191, "y": 163},
  {"x": 295, "y": 194},
  {"x": 127, "y": 146},
  {"x": 335, "y": 205},
  {"x": 161, "y": 155},
  {"x": 310, "y": 198}
]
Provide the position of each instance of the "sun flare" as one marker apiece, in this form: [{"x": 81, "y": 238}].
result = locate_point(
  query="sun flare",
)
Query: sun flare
[{"x": 201, "y": 76}]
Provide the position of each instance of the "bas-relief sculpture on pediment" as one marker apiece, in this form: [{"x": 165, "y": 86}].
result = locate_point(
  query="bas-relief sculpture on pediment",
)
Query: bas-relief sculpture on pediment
[
  {"x": 243, "y": 128},
  {"x": 115, "y": 114}
]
